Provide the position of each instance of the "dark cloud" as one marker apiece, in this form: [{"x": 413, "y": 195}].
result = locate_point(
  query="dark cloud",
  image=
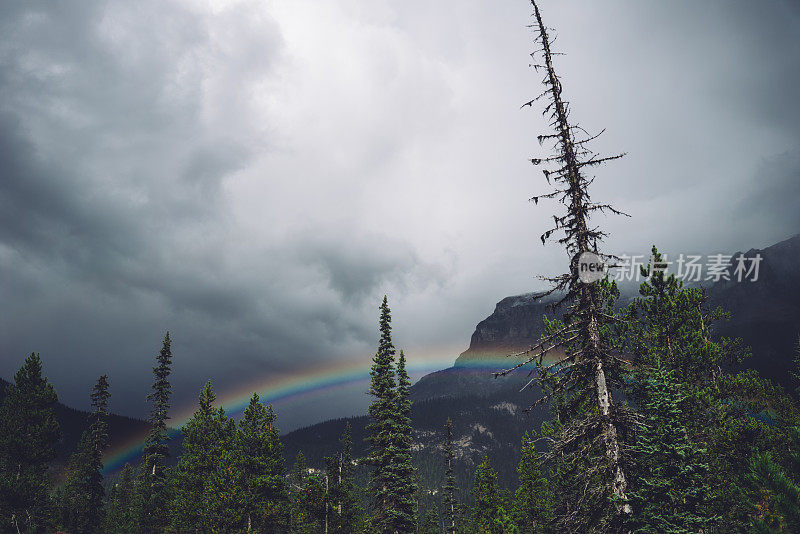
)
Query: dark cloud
[{"x": 255, "y": 177}]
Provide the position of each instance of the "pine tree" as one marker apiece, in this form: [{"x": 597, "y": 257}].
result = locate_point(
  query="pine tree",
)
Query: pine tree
[
  {"x": 504, "y": 523},
  {"x": 671, "y": 475},
  {"x": 309, "y": 498},
  {"x": 250, "y": 482},
  {"x": 429, "y": 522},
  {"x": 403, "y": 486},
  {"x": 28, "y": 434},
  {"x": 449, "y": 488},
  {"x": 299, "y": 470},
  {"x": 488, "y": 513},
  {"x": 205, "y": 436},
  {"x": 779, "y": 507},
  {"x": 588, "y": 371},
  {"x": 668, "y": 330},
  {"x": 382, "y": 412},
  {"x": 120, "y": 518},
  {"x": 82, "y": 507},
  {"x": 152, "y": 497},
  {"x": 346, "y": 513},
  {"x": 532, "y": 498}
]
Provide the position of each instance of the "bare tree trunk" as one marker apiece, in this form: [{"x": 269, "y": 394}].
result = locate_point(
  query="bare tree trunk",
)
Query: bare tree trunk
[{"x": 582, "y": 334}]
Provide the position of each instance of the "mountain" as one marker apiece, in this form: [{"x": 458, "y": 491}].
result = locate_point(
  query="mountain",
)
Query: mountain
[
  {"x": 487, "y": 412},
  {"x": 482, "y": 425},
  {"x": 765, "y": 313}
]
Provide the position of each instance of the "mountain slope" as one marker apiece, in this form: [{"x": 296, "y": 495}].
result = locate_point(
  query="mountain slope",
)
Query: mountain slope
[{"x": 765, "y": 313}]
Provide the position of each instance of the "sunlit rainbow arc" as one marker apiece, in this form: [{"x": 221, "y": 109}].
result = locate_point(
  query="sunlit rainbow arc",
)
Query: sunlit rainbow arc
[{"x": 290, "y": 388}]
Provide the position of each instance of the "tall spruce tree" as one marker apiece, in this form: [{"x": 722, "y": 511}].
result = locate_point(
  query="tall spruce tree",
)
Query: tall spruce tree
[
  {"x": 669, "y": 330},
  {"x": 382, "y": 412},
  {"x": 346, "y": 516},
  {"x": 588, "y": 371},
  {"x": 250, "y": 481},
  {"x": 82, "y": 506},
  {"x": 309, "y": 498},
  {"x": 120, "y": 518},
  {"x": 152, "y": 497},
  {"x": 671, "y": 475},
  {"x": 28, "y": 434},
  {"x": 489, "y": 514},
  {"x": 205, "y": 436},
  {"x": 403, "y": 486},
  {"x": 532, "y": 498},
  {"x": 449, "y": 488}
]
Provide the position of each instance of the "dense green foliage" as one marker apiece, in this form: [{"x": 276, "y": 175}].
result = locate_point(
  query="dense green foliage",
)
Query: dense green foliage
[
  {"x": 120, "y": 517},
  {"x": 712, "y": 449},
  {"x": 28, "y": 433},
  {"x": 532, "y": 498},
  {"x": 81, "y": 502},
  {"x": 392, "y": 485},
  {"x": 152, "y": 497},
  {"x": 778, "y": 509}
]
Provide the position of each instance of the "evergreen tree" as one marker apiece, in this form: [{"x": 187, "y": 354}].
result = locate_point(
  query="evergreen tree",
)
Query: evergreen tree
[
  {"x": 532, "y": 498},
  {"x": 205, "y": 436},
  {"x": 504, "y": 523},
  {"x": 82, "y": 508},
  {"x": 250, "y": 482},
  {"x": 299, "y": 470},
  {"x": 449, "y": 488},
  {"x": 382, "y": 412},
  {"x": 671, "y": 476},
  {"x": 346, "y": 516},
  {"x": 429, "y": 522},
  {"x": 667, "y": 331},
  {"x": 309, "y": 499},
  {"x": 584, "y": 376},
  {"x": 778, "y": 510},
  {"x": 488, "y": 513},
  {"x": 152, "y": 497},
  {"x": 120, "y": 518},
  {"x": 28, "y": 434},
  {"x": 402, "y": 482},
  {"x": 776, "y": 506}
]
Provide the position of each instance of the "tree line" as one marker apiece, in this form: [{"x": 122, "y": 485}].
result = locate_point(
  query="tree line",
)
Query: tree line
[{"x": 712, "y": 450}]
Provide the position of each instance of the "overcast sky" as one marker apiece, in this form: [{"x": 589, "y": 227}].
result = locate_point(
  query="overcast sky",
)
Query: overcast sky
[{"x": 255, "y": 176}]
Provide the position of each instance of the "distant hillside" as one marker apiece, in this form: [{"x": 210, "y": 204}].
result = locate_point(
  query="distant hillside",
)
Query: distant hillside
[
  {"x": 482, "y": 425},
  {"x": 73, "y": 422},
  {"x": 487, "y": 413}
]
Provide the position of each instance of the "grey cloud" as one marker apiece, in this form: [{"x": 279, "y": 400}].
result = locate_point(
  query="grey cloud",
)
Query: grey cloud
[{"x": 256, "y": 177}]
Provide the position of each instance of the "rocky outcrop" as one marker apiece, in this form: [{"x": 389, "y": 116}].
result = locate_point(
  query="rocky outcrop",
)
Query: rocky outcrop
[{"x": 515, "y": 325}]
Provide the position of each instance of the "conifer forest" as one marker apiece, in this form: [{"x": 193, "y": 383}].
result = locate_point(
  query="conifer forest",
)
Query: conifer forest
[{"x": 647, "y": 407}]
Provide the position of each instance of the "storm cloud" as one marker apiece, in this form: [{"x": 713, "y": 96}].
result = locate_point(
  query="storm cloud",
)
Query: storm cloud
[{"x": 255, "y": 176}]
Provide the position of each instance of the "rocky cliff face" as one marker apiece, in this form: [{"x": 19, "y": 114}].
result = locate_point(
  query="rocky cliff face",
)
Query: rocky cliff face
[
  {"x": 764, "y": 313},
  {"x": 488, "y": 414},
  {"x": 515, "y": 325}
]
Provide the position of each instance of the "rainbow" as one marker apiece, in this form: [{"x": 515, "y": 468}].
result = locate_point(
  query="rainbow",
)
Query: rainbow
[{"x": 291, "y": 388}]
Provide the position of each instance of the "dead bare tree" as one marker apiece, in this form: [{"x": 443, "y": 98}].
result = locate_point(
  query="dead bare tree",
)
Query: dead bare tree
[{"x": 588, "y": 369}]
